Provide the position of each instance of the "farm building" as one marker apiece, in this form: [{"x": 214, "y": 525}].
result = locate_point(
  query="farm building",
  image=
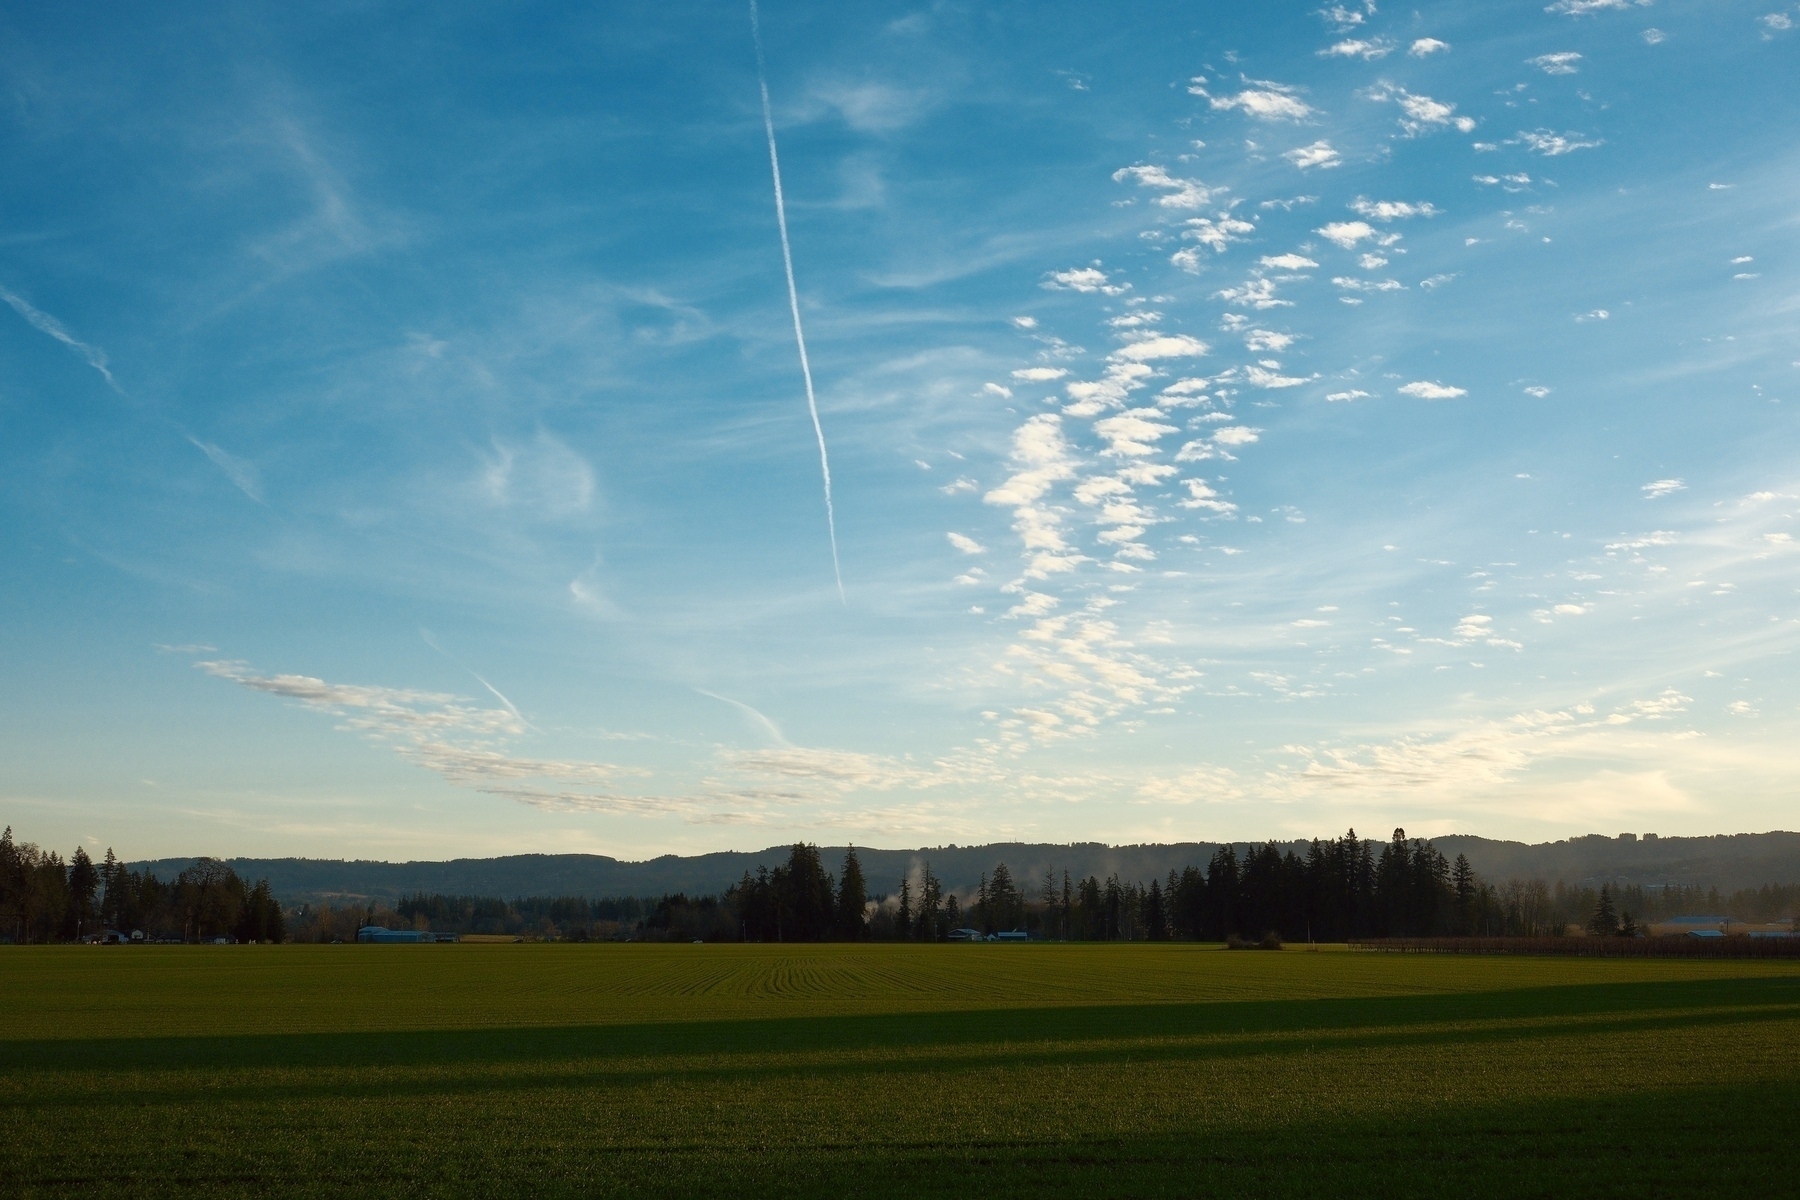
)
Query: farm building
[{"x": 376, "y": 934}]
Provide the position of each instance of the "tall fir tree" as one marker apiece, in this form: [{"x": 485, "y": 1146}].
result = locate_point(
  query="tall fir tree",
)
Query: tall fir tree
[
  {"x": 1005, "y": 906},
  {"x": 903, "y": 916},
  {"x": 807, "y": 903},
  {"x": 84, "y": 885},
  {"x": 931, "y": 898},
  {"x": 1605, "y": 921},
  {"x": 1113, "y": 909},
  {"x": 1462, "y": 882},
  {"x": 1068, "y": 906},
  {"x": 852, "y": 899},
  {"x": 112, "y": 891},
  {"x": 1155, "y": 923}
]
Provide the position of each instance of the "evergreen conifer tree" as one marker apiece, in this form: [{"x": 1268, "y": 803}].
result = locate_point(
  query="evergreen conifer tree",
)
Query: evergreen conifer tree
[
  {"x": 931, "y": 898},
  {"x": 1068, "y": 907},
  {"x": 1113, "y": 909},
  {"x": 112, "y": 891},
  {"x": 852, "y": 899},
  {"x": 1005, "y": 911},
  {"x": 903, "y": 916},
  {"x": 1605, "y": 921},
  {"x": 1462, "y": 882},
  {"x": 84, "y": 882},
  {"x": 806, "y": 901},
  {"x": 1155, "y": 922}
]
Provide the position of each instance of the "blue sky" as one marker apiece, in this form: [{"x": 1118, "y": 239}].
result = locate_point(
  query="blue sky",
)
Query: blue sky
[{"x": 1243, "y": 421}]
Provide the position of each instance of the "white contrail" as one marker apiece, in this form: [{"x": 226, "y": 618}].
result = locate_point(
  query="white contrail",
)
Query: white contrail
[
  {"x": 431, "y": 640},
  {"x": 769, "y": 726},
  {"x": 240, "y": 472},
  {"x": 43, "y": 322},
  {"x": 787, "y": 261}
]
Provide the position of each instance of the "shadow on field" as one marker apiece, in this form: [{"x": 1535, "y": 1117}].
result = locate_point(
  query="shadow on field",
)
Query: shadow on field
[
  {"x": 1675, "y": 1143},
  {"x": 1669, "y": 1143},
  {"x": 933, "y": 1041},
  {"x": 824, "y": 1106}
]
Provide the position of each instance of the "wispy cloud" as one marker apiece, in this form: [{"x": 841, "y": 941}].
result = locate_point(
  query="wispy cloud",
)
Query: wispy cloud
[
  {"x": 466, "y": 745},
  {"x": 1176, "y": 193},
  {"x": 239, "y": 471},
  {"x": 966, "y": 544},
  {"x": 1368, "y": 50},
  {"x": 438, "y": 730},
  {"x": 1552, "y": 145},
  {"x": 1319, "y": 154},
  {"x": 544, "y": 477},
  {"x": 1084, "y": 279},
  {"x": 1043, "y": 458},
  {"x": 1343, "y": 18},
  {"x": 1257, "y": 293},
  {"x": 1420, "y": 114},
  {"x": 43, "y": 322},
  {"x": 1582, "y": 8},
  {"x": 1489, "y": 757},
  {"x": 1392, "y": 210},
  {"x": 1563, "y": 62},
  {"x": 1271, "y": 377},
  {"x": 1265, "y": 101}
]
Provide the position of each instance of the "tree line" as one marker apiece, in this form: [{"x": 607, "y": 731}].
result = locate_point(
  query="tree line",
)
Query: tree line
[
  {"x": 1336, "y": 890},
  {"x": 46, "y": 899},
  {"x": 1341, "y": 888}
]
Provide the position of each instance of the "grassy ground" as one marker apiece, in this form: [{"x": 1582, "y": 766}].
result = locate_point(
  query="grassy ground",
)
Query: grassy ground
[{"x": 549, "y": 1070}]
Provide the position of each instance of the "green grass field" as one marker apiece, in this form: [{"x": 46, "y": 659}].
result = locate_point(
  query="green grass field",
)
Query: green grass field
[{"x": 1101, "y": 1070}]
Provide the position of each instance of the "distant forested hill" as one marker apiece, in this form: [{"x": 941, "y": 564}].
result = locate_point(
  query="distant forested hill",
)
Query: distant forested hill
[{"x": 1726, "y": 861}]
